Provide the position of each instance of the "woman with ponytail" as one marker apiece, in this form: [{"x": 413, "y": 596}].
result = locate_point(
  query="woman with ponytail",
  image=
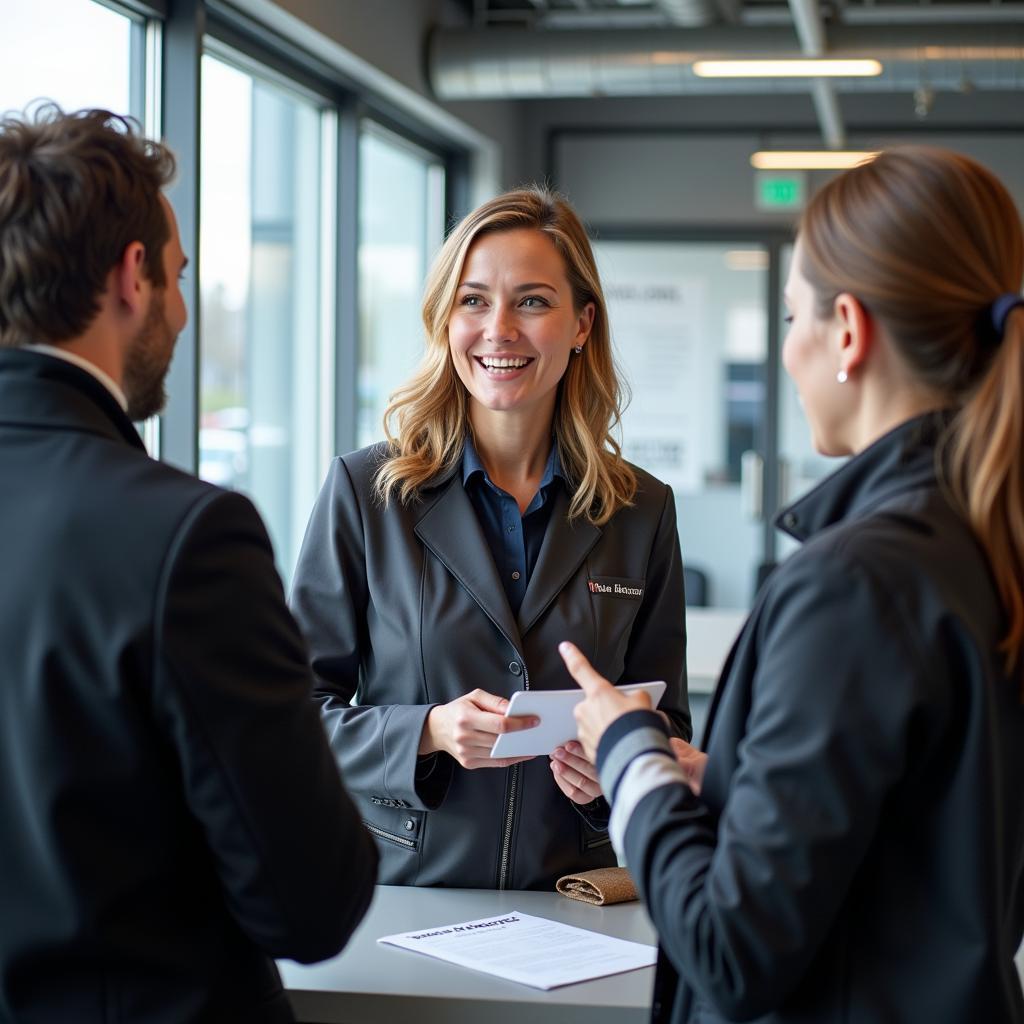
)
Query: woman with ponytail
[
  {"x": 851, "y": 846},
  {"x": 441, "y": 567}
]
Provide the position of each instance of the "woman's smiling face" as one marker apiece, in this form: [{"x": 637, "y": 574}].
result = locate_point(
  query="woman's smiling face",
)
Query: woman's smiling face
[{"x": 513, "y": 326}]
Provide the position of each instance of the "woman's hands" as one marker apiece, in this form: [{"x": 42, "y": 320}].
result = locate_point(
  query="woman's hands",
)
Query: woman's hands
[
  {"x": 467, "y": 727},
  {"x": 692, "y": 762},
  {"x": 575, "y": 775},
  {"x": 603, "y": 702}
]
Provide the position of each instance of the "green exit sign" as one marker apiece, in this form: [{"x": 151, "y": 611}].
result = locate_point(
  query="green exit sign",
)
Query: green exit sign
[{"x": 774, "y": 191}]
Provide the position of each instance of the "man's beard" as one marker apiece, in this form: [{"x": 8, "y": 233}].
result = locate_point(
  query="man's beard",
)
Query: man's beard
[{"x": 147, "y": 362}]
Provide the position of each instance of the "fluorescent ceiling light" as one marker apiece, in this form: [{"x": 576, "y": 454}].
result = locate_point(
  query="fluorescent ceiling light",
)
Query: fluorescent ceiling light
[
  {"x": 795, "y": 67},
  {"x": 810, "y": 160}
]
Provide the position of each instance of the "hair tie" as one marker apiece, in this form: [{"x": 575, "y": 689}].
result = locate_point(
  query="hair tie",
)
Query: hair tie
[{"x": 1000, "y": 310}]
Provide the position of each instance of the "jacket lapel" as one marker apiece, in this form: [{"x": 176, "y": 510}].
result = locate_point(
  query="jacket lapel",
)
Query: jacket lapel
[
  {"x": 565, "y": 547},
  {"x": 450, "y": 530}
]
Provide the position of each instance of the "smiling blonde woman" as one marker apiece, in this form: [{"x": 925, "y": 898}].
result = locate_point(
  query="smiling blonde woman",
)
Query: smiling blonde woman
[{"x": 442, "y": 567}]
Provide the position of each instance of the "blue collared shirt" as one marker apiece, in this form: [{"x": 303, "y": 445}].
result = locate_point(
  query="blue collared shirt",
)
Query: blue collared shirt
[{"x": 515, "y": 540}]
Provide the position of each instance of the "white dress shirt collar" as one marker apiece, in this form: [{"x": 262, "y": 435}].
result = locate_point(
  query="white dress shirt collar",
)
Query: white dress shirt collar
[{"x": 83, "y": 364}]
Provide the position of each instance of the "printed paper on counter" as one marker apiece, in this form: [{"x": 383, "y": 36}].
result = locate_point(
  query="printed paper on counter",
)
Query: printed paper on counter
[{"x": 530, "y": 950}]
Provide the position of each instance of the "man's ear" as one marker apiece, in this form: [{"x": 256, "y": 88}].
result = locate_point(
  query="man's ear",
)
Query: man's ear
[
  {"x": 856, "y": 332},
  {"x": 130, "y": 279}
]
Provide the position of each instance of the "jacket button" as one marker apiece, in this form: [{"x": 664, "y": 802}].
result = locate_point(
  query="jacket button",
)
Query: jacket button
[
  {"x": 409, "y": 824},
  {"x": 515, "y": 668},
  {"x": 789, "y": 520}
]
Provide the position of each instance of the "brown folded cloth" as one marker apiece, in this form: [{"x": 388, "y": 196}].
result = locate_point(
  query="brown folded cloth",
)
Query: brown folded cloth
[{"x": 600, "y": 886}]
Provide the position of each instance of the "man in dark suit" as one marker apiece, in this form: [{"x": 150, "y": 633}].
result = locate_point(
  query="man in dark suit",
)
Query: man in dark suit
[{"x": 171, "y": 817}]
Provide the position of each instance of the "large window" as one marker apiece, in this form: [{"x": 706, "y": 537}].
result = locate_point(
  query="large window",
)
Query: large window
[
  {"x": 401, "y": 225},
  {"x": 303, "y": 297},
  {"x": 266, "y": 326},
  {"x": 75, "y": 52}
]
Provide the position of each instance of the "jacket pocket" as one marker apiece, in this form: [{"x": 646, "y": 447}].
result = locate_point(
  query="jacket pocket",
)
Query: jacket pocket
[
  {"x": 396, "y": 826},
  {"x": 615, "y": 602},
  {"x": 592, "y": 838}
]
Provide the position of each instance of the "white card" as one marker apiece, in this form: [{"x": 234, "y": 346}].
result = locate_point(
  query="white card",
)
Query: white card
[{"x": 557, "y": 726}]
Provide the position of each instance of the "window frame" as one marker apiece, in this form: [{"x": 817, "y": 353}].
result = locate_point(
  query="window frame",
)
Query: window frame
[{"x": 191, "y": 28}]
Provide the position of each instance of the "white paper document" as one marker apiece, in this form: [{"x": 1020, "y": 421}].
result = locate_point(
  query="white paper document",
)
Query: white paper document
[
  {"x": 530, "y": 950},
  {"x": 557, "y": 725}
]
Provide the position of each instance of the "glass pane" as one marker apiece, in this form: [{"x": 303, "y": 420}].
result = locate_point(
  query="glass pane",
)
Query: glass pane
[
  {"x": 260, "y": 298},
  {"x": 800, "y": 466},
  {"x": 401, "y": 224},
  {"x": 42, "y": 55},
  {"x": 689, "y": 329}
]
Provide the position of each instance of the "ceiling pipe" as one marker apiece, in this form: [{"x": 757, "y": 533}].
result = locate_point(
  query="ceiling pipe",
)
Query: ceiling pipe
[
  {"x": 531, "y": 64},
  {"x": 810, "y": 30},
  {"x": 690, "y": 13}
]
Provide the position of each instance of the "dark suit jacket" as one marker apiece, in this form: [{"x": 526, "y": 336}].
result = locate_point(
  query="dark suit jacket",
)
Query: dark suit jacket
[
  {"x": 857, "y": 852},
  {"x": 404, "y": 610},
  {"x": 170, "y": 813}
]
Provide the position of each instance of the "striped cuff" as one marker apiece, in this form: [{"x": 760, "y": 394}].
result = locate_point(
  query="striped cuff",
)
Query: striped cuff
[
  {"x": 629, "y": 736},
  {"x": 644, "y": 774}
]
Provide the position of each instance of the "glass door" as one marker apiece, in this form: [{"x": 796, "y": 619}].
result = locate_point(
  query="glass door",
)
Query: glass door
[{"x": 689, "y": 328}]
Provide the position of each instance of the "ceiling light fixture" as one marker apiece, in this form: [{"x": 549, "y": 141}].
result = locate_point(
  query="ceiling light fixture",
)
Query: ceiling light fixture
[
  {"x": 795, "y": 67},
  {"x": 810, "y": 160}
]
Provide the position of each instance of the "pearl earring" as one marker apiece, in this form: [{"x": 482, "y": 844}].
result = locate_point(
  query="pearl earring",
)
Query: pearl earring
[
  {"x": 578, "y": 349},
  {"x": 842, "y": 377}
]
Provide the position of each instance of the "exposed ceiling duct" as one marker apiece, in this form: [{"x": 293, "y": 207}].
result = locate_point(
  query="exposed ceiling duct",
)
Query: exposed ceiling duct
[{"x": 513, "y": 63}]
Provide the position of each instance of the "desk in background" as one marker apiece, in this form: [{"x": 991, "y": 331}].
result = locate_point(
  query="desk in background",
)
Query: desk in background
[
  {"x": 710, "y": 633},
  {"x": 372, "y": 984}
]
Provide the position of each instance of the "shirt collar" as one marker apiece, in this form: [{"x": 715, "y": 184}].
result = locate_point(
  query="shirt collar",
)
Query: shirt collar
[
  {"x": 471, "y": 465},
  {"x": 83, "y": 364}
]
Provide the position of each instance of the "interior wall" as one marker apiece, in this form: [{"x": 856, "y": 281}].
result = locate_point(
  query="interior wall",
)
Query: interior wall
[
  {"x": 695, "y": 179},
  {"x": 684, "y": 160}
]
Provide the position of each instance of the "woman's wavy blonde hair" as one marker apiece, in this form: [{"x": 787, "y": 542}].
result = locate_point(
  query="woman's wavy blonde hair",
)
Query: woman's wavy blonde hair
[
  {"x": 927, "y": 239},
  {"x": 429, "y": 412}
]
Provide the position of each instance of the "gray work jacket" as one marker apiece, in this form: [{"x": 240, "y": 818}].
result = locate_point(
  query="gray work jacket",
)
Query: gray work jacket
[{"x": 403, "y": 610}]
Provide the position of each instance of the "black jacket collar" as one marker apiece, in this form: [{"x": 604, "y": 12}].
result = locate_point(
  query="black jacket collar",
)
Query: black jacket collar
[
  {"x": 38, "y": 390},
  {"x": 899, "y": 461}
]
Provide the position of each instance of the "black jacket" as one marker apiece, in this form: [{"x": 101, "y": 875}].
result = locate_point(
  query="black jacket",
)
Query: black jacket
[
  {"x": 856, "y": 853},
  {"x": 170, "y": 813},
  {"x": 403, "y": 609}
]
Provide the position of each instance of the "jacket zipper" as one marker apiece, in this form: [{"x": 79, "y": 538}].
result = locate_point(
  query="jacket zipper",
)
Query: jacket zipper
[
  {"x": 401, "y": 840},
  {"x": 506, "y": 841},
  {"x": 510, "y": 810}
]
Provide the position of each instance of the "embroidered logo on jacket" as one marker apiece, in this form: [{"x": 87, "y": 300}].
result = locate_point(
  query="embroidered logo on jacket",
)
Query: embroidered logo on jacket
[{"x": 613, "y": 589}]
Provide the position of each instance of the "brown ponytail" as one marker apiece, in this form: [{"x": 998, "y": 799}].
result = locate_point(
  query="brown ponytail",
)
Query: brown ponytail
[
  {"x": 986, "y": 471},
  {"x": 927, "y": 240}
]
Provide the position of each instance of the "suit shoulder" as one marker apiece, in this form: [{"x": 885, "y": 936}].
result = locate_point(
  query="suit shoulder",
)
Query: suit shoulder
[
  {"x": 171, "y": 502},
  {"x": 362, "y": 464},
  {"x": 651, "y": 493}
]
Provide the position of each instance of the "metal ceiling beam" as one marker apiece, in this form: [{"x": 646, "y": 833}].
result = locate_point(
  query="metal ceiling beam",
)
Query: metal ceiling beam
[
  {"x": 810, "y": 30},
  {"x": 697, "y": 12}
]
